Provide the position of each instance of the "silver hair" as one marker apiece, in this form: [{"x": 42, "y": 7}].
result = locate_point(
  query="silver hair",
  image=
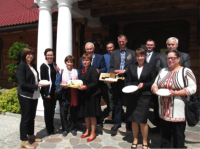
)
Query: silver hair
[
  {"x": 88, "y": 44},
  {"x": 172, "y": 38}
]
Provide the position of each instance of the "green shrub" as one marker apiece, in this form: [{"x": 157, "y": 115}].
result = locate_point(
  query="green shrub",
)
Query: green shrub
[
  {"x": 15, "y": 54},
  {"x": 9, "y": 101},
  {"x": 16, "y": 50}
]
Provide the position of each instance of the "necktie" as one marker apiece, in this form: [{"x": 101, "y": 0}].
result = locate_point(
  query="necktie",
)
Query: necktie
[{"x": 147, "y": 59}]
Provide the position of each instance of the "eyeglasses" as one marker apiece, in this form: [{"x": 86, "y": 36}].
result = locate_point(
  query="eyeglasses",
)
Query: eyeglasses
[
  {"x": 172, "y": 58},
  {"x": 49, "y": 55}
]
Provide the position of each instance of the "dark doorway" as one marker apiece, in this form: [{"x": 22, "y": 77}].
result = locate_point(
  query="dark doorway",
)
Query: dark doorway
[{"x": 139, "y": 33}]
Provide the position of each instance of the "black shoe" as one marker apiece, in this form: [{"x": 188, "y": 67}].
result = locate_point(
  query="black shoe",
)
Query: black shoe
[
  {"x": 52, "y": 133},
  {"x": 65, "y": 133},
  {"x": 115, "y": 127},
  {"x": 134, "y": 145},
  {"x": 74, "y": 133}
]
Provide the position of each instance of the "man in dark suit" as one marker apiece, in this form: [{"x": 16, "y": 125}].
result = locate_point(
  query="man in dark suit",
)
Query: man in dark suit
[
  {"x": 152, "y": 57},
  {"x": 120, "y": 60},
  {"x": 98, "y": 62},
  {"x": 172, "y": 44}
]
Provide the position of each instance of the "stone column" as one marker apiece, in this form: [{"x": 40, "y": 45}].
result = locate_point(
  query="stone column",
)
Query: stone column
[
  {"x": 64, "y": 31},
  {"x": 45, "y": 39}
]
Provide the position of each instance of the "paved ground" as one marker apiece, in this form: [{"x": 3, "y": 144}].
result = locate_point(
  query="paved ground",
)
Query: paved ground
[{"x": 9, "y": 136}]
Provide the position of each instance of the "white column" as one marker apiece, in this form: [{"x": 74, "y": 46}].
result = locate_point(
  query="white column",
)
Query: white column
[
  {"x": 45, "y": 39},
  {"x": 64, "y": 31}
]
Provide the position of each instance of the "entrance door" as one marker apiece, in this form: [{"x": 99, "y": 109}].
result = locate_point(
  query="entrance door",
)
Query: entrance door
[{"x": 139, "y": 33}]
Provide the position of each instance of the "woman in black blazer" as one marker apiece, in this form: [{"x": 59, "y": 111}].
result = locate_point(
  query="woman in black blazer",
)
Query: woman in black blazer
[
  {"x": 142, "y": 75},
  {"x": 48, "y": 71},
  {"x": 89, "y": 102},
  {"x": 28, "y": 94}
]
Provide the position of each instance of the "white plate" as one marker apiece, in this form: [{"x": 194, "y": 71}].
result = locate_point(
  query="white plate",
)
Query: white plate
[
  {"x": 130, "y": 89},
  {"x": 163, "y": 92},
  {"x": 44, "y": 82}
]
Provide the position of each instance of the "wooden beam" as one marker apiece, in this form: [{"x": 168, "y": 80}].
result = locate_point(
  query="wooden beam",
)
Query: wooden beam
[
  {"x": 141, "y": 7},
  {"x": 95, "y": 4},
  {"x": 152, "y": 15}
]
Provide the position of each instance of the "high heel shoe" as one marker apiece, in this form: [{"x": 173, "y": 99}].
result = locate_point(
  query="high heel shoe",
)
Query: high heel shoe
[
  {"x": 88, "y": 139},
  {"x": 84, "y": 136},
  {"x": 134, "y": 147},
  {"x": 146, "y": 146},
  {"x": 26, "y": 144}
]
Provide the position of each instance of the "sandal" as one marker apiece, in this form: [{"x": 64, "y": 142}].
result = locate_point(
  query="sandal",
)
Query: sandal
[
  {"x": 146, "y": 146},
  {"x": 134, "y": 147}
]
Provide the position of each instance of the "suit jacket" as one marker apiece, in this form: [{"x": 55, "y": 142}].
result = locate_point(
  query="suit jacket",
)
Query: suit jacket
[
  {"x": 98, "y": 62},
  {"x": 147, "y": 77},
  {"x": 90, "y": 79},
  {"x": 162, "y": 61},
  {"x": 153, "y": 59},
  {"x": 26, "y": 79},
  {"x": 115, "y": 59}
]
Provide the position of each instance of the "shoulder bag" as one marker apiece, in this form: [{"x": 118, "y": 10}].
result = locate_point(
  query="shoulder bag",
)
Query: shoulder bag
[{"x": 192, "y": 108}]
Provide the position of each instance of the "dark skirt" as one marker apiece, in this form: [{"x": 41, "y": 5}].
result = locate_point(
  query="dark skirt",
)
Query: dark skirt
[
  {"x": 138, "y": 108},
  {"x": 90, "y": 107}
]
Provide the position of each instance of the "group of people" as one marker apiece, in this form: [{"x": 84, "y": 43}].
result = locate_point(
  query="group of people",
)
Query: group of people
[{"x": 148, "y": 70}]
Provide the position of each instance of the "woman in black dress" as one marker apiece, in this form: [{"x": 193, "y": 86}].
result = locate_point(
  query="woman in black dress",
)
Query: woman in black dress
[
  {"x": 142, "y": 75},
  {"x": 89, "y": 97},
  {"x": 48, "y": 71}
]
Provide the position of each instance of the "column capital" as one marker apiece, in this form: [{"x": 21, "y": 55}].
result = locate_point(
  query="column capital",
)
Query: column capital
[
  {"x": 45, "y": 4},
  {"x": 65, "y": 3}
]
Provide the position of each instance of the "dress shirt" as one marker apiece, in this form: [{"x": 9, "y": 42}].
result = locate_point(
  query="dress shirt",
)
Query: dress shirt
[
  {"x": 123, "y": 57},
  {"x": 107, "y": 60},
  {"x": 149, "y": 54},
  {"x": 93, "y": 56}
]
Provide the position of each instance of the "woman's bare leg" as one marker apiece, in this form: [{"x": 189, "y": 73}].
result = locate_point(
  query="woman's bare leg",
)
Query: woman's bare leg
[
  {"x": 93, "y": 121},
  {"x": 144, "y": 131},
  {"x": 88, "y": 126},
  {"x": 135, "y": 129}
]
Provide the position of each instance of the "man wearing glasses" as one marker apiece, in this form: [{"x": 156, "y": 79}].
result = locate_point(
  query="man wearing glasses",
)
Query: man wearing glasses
[{"x": 172, "y": 44}]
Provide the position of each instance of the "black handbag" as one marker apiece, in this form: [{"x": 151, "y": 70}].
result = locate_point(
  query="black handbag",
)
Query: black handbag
[{"x": 192, "y": 108}]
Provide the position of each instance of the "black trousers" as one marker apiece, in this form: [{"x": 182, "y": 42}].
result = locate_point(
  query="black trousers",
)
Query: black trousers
[
  {"x": 109, "y": 97},
  {"x": 28, "y": 109},
  {"x": 177, "y": 129},
  {"x": 49, "y": 111},
  {"x": 156, "y": 110},
  {"x": 68, "y": 116},
  {"x": 118, "y": 95}
]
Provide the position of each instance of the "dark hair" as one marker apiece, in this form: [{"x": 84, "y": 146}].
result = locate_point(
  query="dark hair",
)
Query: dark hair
[
  {"x": 86, "y": 55},
  {"x": 110, "y": 42},
  {"x": 140, "y": 51},
  {"x": 175, "y": 52},
  {"x": 47, "y": 50},
  {"x": 121, "y": 36},
  {"x": 69, "y": 58},
  {"x": 150, "y": 40},
  {"x": 25, "y": 52}
]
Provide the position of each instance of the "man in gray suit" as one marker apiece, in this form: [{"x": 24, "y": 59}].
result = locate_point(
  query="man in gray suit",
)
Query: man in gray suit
[
  {"x": 172, "y": 44},
  {"x": 120, "y": 60}
]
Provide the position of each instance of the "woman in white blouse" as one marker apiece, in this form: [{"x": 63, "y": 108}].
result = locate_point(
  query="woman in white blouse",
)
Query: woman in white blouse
[
  {"x": 142, "y": 75},
  {"x": 28, "y": 94},
  {"x": 172, "y": 107}
]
